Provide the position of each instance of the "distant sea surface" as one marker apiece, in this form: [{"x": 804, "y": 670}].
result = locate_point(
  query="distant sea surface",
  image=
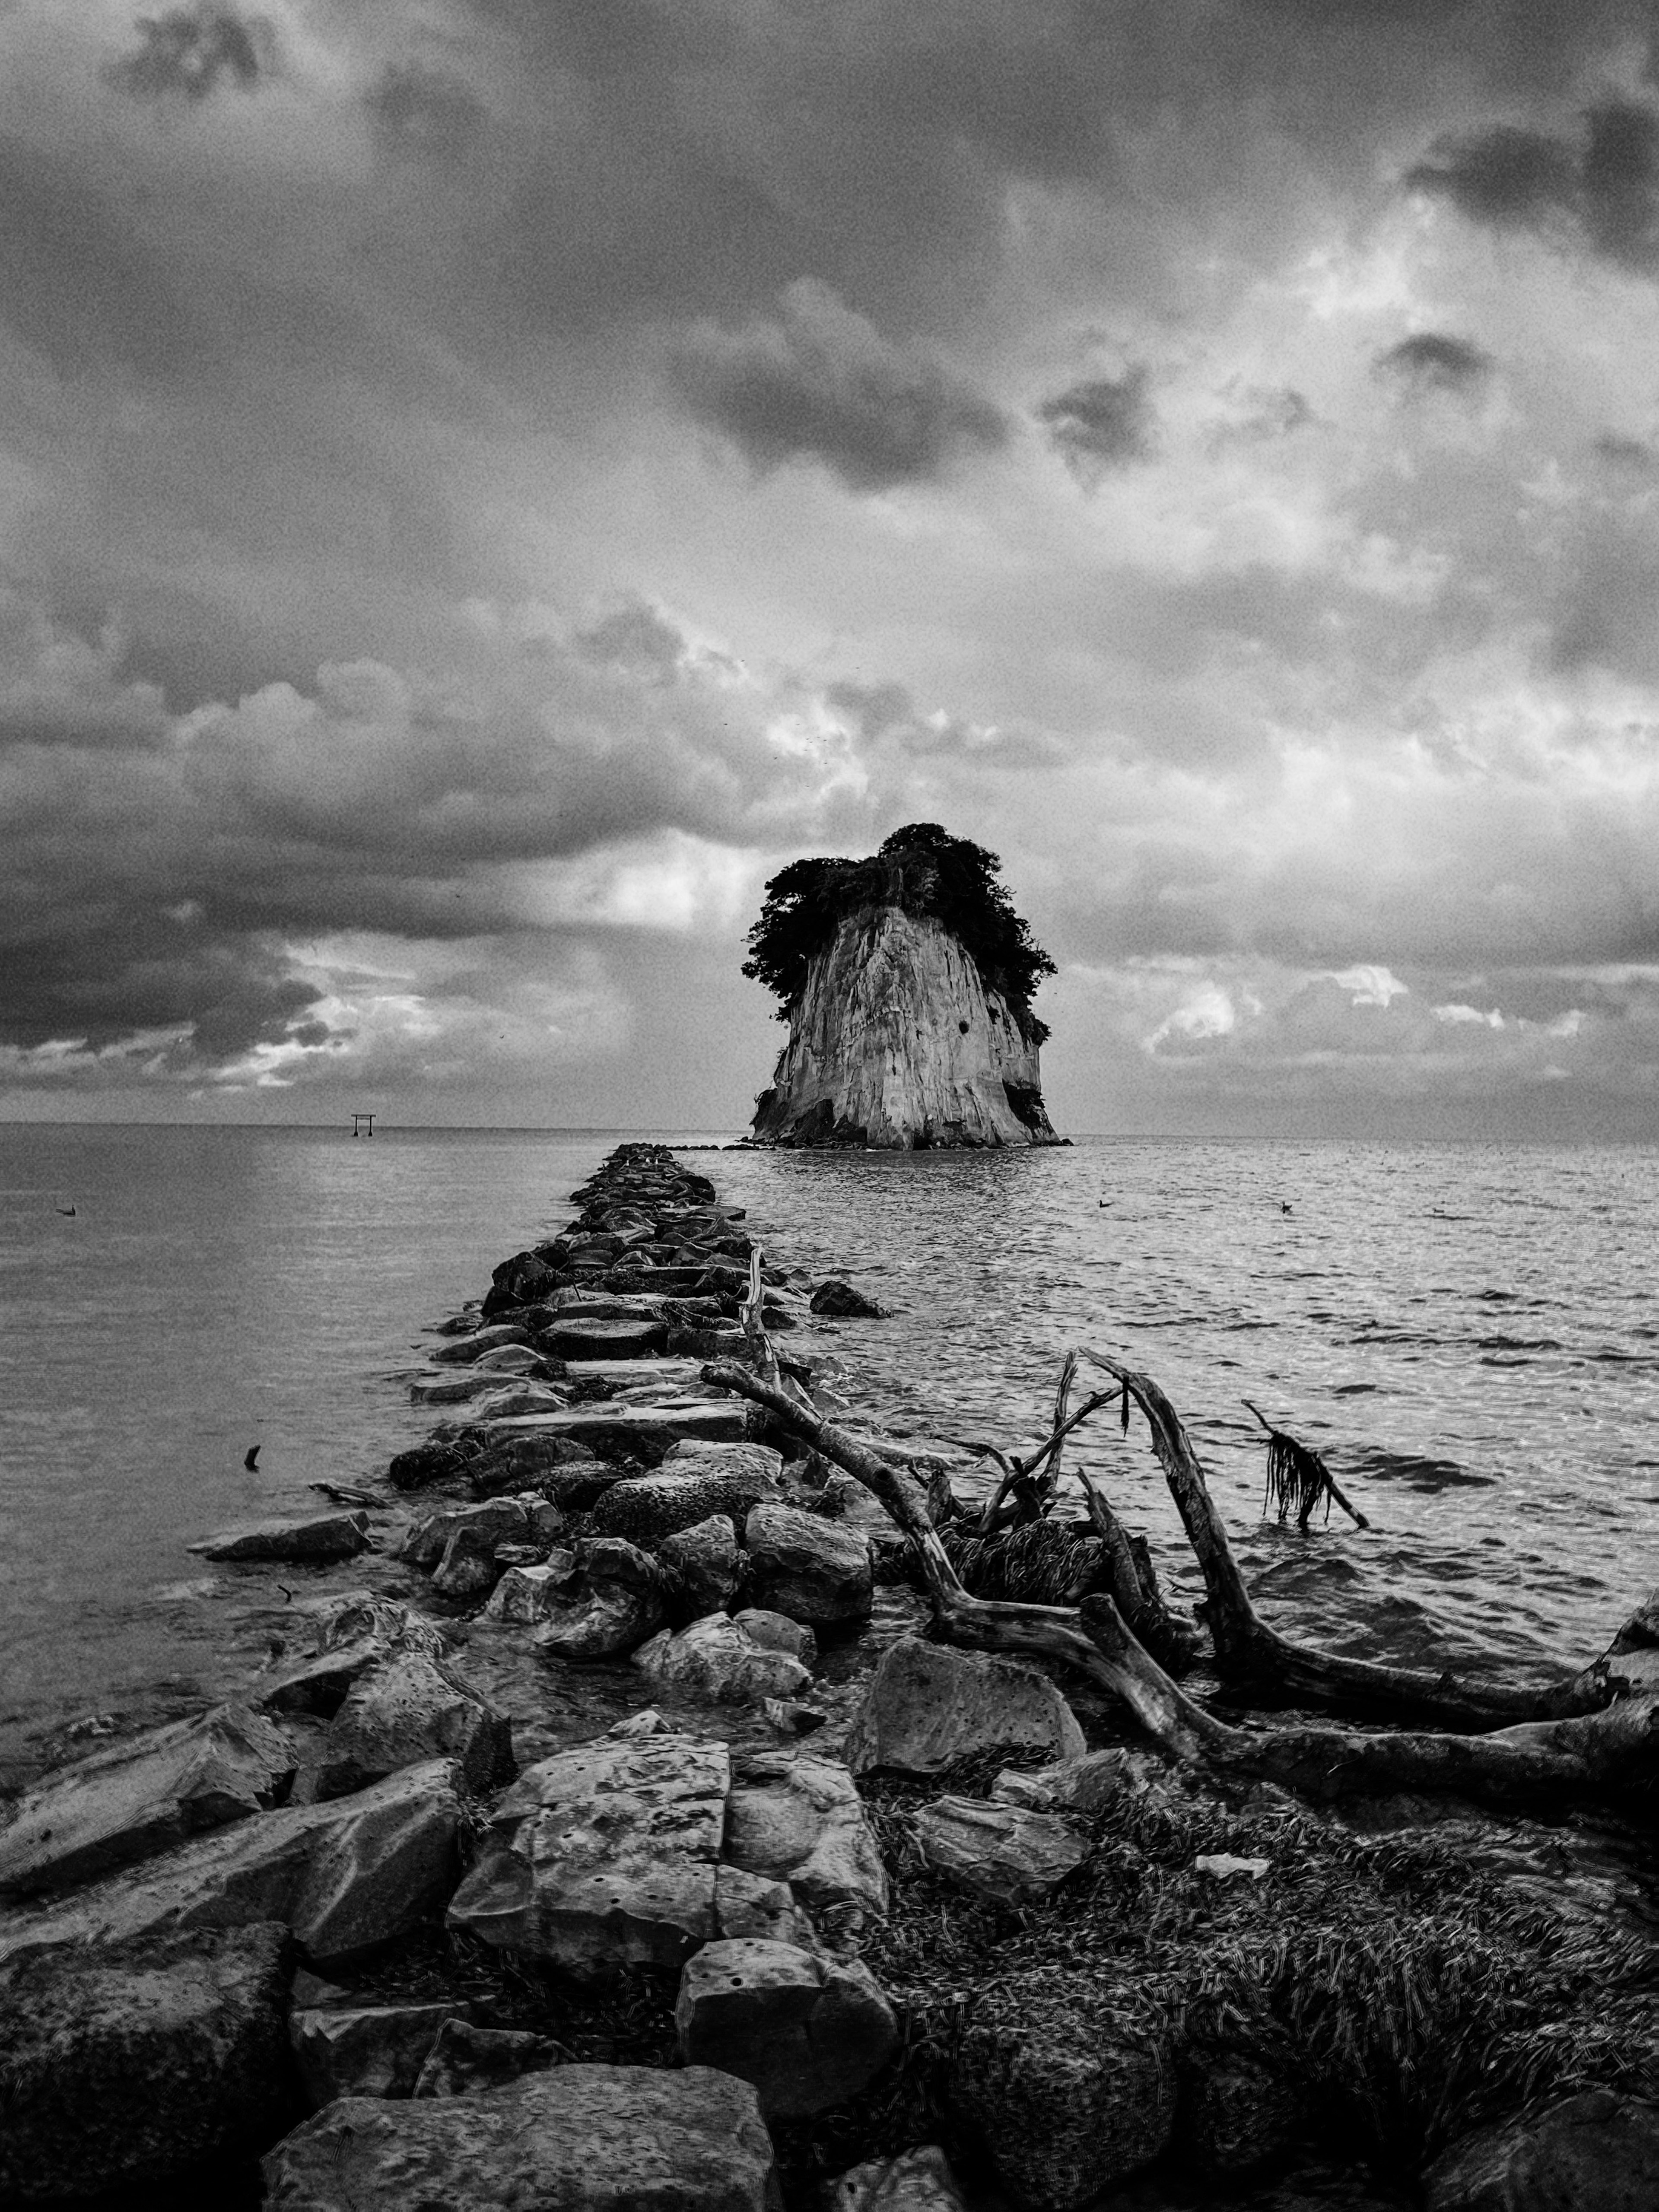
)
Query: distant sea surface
[{"x": 1469, "y": 1333}]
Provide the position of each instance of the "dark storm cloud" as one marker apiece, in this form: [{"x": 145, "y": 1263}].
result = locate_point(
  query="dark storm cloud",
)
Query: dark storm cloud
[
  {"x": 419, "y": 110},
  {"x": 190, "y": 51},
  {"x": 822, "y": 384},
  {"x": 1606, "y": 180},
  {"x": 1101, "y": 423},
  {"x": 1429, "y": 361}
]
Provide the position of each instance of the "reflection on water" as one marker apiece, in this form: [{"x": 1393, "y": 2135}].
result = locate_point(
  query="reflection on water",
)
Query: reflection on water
[{"x": 1464, "y": 1331}]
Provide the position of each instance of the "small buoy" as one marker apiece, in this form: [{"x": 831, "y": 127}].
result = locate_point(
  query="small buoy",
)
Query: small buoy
[
  {"x": 252, "y": 1460},
  {"x": 1284, "y": 1206},
  {"x": 66, "y": 1209}
]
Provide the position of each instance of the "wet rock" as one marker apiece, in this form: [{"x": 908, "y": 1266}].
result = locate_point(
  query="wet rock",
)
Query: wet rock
[
  {"x": 343, "y": 1877},
  {"x": 920, "y": 2181},
  {"x": 464, "y": 2058},
  {"x": 512, "y": 1400},
  {"x": 703, "y": 1565},
  {"x": 424, "y": 1465},
  {"x": 528, "y": 1595},
  {"x": 646, "y": 1433},
  {"x": 1063, "y": 2120},
  {"x": 814, "y": 1570},
  {"x": 604, "y": 1855},
  {"x": 448, "y": 1390},
  {"x": 126, "y": 2066},
  {"x": 776, "y": 1631},
  {"x": 1237, "y": 2114},
  {"x": 1000, "y": 1851},
  {"x": 364, "y": 2050},
  {"x": 799, "y": 1818},
  {"x": 575, "y": 2139},
  {"x": 790, "y": 1718},
  {"x": 462, "y": 1350},
  {"x": 617, "y": 1602},
  {"x": 519, "y": 1281},
  {"x": 514, "y": 1520},
  {"x": 714, "y": 1659},
  {"x": 928, "y": 1705},
  {"x": 808, "y": 2030},
  {"x": 350, "y": 1634},
  {"x": 839, "y": 1301},
  {"x": 513, "y": 1359},
  {"x": 1085, "y": 1785},
  {"x": 679, "y": 1494},
  {"x": 315, "y": 1538},
  {"x": 635, "y": 1338},
  {"x": 749, "y": 1905},
  {"x": 134, "y": 1799},
  {"x": 407, "y": 1708},
  {"x": 1598, "y": 2151}
]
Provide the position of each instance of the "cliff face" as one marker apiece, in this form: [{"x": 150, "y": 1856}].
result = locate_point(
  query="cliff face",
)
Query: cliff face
[{"x": 895, "y": 1043}]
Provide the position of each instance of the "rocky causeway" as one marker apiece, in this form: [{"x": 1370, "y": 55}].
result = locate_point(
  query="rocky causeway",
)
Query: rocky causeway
[{"x": 624, "y": 1822}]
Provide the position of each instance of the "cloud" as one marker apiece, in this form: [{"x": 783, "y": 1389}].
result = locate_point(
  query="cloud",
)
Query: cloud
[
  {"x": 423, "y": 112},
  {"x": 1606, "y": 181},
  {"x": 821, "y": 383},
  {"x": 1429, "y": 361},
  {"x": 190, "y": 51},
  {"x": 1101, "y": 423}
]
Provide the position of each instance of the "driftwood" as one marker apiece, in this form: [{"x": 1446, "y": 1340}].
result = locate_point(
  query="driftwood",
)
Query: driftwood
[{"x": 1572, "y": 1741}]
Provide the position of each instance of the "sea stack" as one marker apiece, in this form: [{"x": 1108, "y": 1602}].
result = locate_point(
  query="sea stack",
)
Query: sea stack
[{"x": 906, "y": 981}]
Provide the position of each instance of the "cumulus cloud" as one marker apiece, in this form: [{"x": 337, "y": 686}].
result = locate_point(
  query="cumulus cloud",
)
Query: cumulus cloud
[
  {"x": 1603, "y": 183},
  {"x": 190, "y": 51},
  {"x": 821, "y": 383},
  {"x": 1431, "y": 360},
  {"x": 424, "y": 111},
  {"x": 1101, "y": 423}
]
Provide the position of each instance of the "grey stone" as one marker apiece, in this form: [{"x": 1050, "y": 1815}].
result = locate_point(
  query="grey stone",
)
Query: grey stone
[
  {"x": 575, "y": 2139},
  {"x": 705, "y": 1565},
  {"x": 495, "y": 1521},
  {"x": 927, "y": 1706},
  {"x": 1596, "y": 2152},
  {"x": 998, "y": 1851},
  {"x": 528, "y": 1595},
  {"x": 1085, "y": 1785},
  {"x": 808, "y": 2030},
  {"x": 509, "y": 1359},
  {"x": 1237, "y": 2114},
  {"x": 464, "y": 2058},
  {"x": 642, "y": 1431},
  {"x": 364, "y": 2050},
  {"x": 776, "y": 1631},
  {"x": 648, "y": 1508},
  {"x": 750, "y": 1904},
  {"x": 758, "y": 1459},
  {"x": 449, "y": 1389},
  {"x": 798, "y": 1819},
  {"x": 715, "y": 1660},
  {"x": 343, "y": 1877},
  {"x": 814, "y": 1570},
  {"x": 841, "y": 1302},
  {"x": 134, "y": 1799},
  {"x": 920, "y": 2181},
  {"x": 462, "y": 1350},
  {"x": 605, "y": 1340},
  {"x": 615, "y": 1603},
  {"x": 604, "y": 1855},
  {"x": 406, "y": 1708},
  {"x": 128, "y": 2065},
  {"x": 512, "y": 1400},
  {"x": 316, "y": 1537}
]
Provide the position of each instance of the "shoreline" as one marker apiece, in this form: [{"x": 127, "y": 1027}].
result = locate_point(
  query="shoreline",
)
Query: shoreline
[{"x": 593, "y": 1383}]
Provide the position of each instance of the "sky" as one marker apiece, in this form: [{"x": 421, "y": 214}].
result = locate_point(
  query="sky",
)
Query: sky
[{"x": 484, "y": 483}]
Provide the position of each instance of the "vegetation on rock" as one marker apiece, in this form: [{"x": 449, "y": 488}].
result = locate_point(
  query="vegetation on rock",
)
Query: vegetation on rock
[{"x": 926, "y": 871}]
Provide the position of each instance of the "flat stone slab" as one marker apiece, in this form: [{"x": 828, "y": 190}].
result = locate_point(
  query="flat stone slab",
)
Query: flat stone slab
[
  {"x": 928, "y": 1705},
  {"x": 1000, "y": 1851},
  {"x": 318, "y": 1537},
  {"x": 814, "y": 1570},
  {"x": 342, "y": 1876},
  {"x": 605, "y": 1340},
  {"x": 574, "y": 2139},
  {"x": 641, "y": 1430},
  {"x": 135, "y": 1799},
  {"x": 604, "y": 1854}
]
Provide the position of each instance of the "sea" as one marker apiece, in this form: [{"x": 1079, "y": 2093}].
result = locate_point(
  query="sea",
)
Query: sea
[{"x": 1467, "y": 1334}]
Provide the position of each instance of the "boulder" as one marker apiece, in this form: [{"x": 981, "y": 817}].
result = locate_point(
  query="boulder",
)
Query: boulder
[
  {"x": 839, "y": 1301},
  {"x": 633, "y": 1338},
  {"x": 528, "y": 1595},
  {"x": 649, "y": 1507},
  {"x": 574, "y": 2139},
  {"x": 604, "y": 1855},
  {"x": 312, "y": 1540},
  {"x": 920, "y": 2181},
  {"x": 1237, "y": 2114},
  {"x": 814, "y": 1570},
  {"x": 513, "y": 1359},
  {"x": 758, "y": 1459},
  {"x": 406, "y": 1708},
  {"x": 464, "y": 2058},
  {"x": 641, "y": 1433},
  {"x": 342, "y": 1876},
  {"x": 1086, "y": 1785},
  {"x": 1064, "y": 2116},
  {"x": 128, "y": 2065},
  {"x": 775, "y": 1631},
  {"x": 364, "y": 2050},
  {"x": 511, "y": 1401},
  {"x": 355, "y": 1633},
  {"x": 615, "y": 1603},
  {"x": 134, "y": 1799},
  {"x": 928, "y": 1705},
  {"x": 448, "y": 1389},
  {"x": 799, "y": 1818},
  {"x": 808, "y": 2030},
  {"x": 703, "y": 1566},
  {"x": 1596, "y": 2152},
  {"x": 519, "y": 1281},
  {"x": 749, "y": 1905},
  {"x": 1000, "y": 1851},
  {"x": 462, "y": 1351},
  {"x": 497, "y": 1521},
  {"x": 714, "y": 1659}
]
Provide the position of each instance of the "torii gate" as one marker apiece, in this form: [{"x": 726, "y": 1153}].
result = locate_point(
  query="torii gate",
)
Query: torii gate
[{"x": 357, "y": 1118}]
